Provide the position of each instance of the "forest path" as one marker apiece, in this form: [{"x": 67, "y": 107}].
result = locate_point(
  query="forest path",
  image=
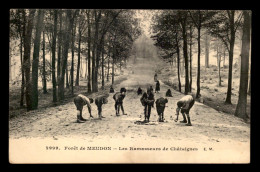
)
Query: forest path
[{"x": 210, "y": 127}]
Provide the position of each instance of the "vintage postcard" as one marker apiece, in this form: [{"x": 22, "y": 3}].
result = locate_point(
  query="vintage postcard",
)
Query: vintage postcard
[{"x": 129, "y": 86}]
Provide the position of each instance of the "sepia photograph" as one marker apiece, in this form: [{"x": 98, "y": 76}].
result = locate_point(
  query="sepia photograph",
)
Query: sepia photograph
[{"x": 129, "y": 86}]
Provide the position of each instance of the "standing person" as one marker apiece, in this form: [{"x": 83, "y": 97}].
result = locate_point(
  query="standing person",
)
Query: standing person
[
  {"x": 155, "y": 77},
  {"x": 150, "y": 103},
  {"x": 160, "y": 106},
  {"x": 119, "y": 97},
  {"x": 143, "y": 100},
  {"x": 79, "y": 102},
  {"x": 184, "y": 105},
  {"x": 157, "y": 87},
  {"x": 99, "y": 101},
  {"x": 151, "y": 89}
]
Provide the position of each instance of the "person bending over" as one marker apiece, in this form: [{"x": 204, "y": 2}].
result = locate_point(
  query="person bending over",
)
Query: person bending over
[
  {"x": 99, "y": 101},
  {"x": 184, "y": 105},
  {"x": 79, "y": 102},
  {"x": 160, "y": 106}
]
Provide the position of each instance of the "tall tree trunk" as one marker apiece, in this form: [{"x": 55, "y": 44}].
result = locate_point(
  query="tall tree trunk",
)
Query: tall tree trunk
[
  {"x": 72, "y": 60},
  {"x": 43, "y": 61},
  {"x": 69, "y": 25},
  {"x": 26, "y": 60},
  {"x": 21, "y": 35},
  {"x": 22, "y": 85},
  {"x": 54, "y": 93},
  {"x": 198, "y": 68},
  {"x": 93, "y": 68},
  {"x": 94, "y": 54},
  {"x": 242, "y": 100},
  {"x": 67, "y": 77},
  {"x": 78, "y": 67},
  {"x": 224, "y": 57},
  {"x": 178, "y": 68},
  {"x": 89, "y": 42},
  {"x": 185, "y": 54},
  {"x": 207, "y": 44},
  {"x": 113, "y": 65},
  {"x": 108, "y": 66},
  {"x": 102, "y": 67},
  {"x": 190, "y": 58},
  {"x": 35, "y": 63},
  {"x": 232, "y": 43},
  {"x": 59, "y": 48},
  {"x": 219, "y": 62}
]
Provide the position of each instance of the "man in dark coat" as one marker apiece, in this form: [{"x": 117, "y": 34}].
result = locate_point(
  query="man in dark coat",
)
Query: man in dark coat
[
  {"x": 157, "y": 87},
  {"x": 79, "y": 102},
  {"x": 119, "y": 97},
  {"x": 139, "y": 91},
  {"x": 150, "y": 104},
  {"x": 160, "y": 106},
  {"x": 99, "y": 101},
  {"x": 168, "y": 93},
  {"x": 111, "y": 89},
  {"x": 184, "y": 105}
]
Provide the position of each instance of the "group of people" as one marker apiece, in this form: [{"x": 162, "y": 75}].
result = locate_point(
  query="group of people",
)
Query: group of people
[
  {"x": 147, "y": 100},
  {"x": 82, "y": 100}
]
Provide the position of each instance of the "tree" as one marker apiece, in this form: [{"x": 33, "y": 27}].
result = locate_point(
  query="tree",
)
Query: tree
[
  {"x": 89, "y": 58},
  {"x": 81, "y": 29},
  {"x": 59, "y": 47},
  {"x": 97, "y": 16},
  {"x": 72, "y": 54},
  {"x": 191, "y": 42},
  {"x": 207, "y": 45},
  {"x": 224, "y": 27},
  {"x": 27, "y": 53},
  {"x": 199, "y": 19},
  {"x": 183, "y": 21},
  {"x": 67, "y": 38},
  {"x": 242, "y": 100},
  {"x": 35, "y": 64},
  {"x": 17, "y": 30},
  {"x": 54, "y": 94},
  {"x": 43, "y": 60},
  {"x": 168, "y": 36}
]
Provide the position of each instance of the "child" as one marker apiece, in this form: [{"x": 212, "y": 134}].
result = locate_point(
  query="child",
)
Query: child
[
  {"x": 160, "y": 106},
  {"x": 119, "y": 97},
  {"x": 184, "y": 105},
  {"x": 99, "y": 101},
  {"x": 79, "y": 102}
]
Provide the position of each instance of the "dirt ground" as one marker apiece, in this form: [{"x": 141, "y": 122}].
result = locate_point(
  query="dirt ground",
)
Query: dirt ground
[{"x": 210, "y": 127}]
